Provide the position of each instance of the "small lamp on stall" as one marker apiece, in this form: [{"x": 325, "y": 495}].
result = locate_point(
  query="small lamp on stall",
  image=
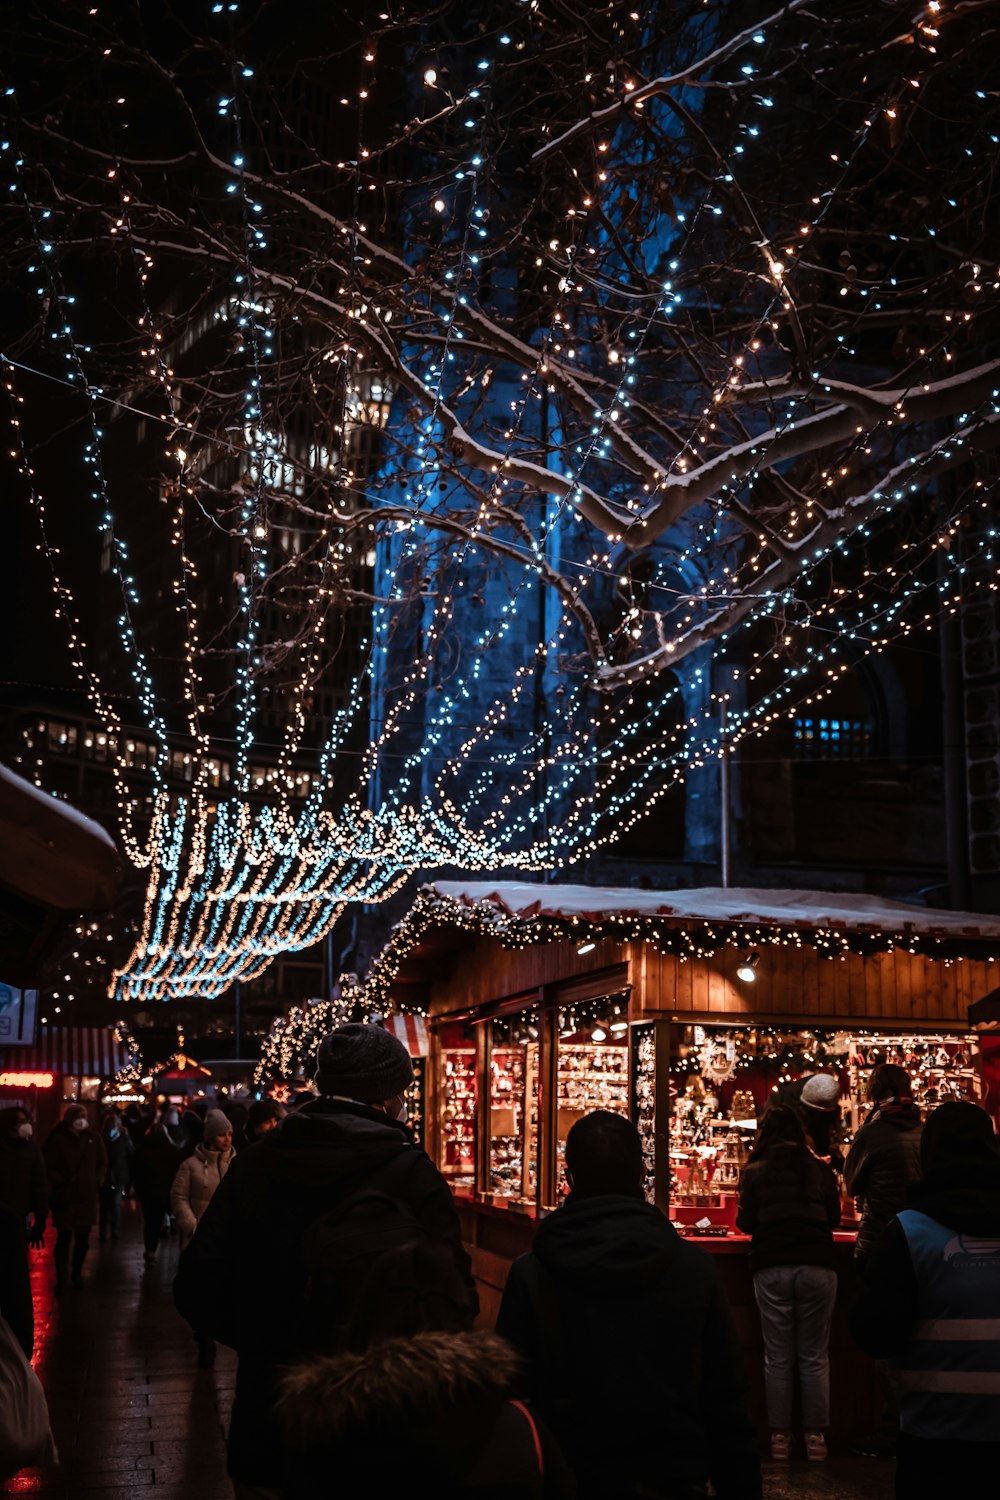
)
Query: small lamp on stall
[
  {"x": 585, "y": 947},
  {"x": 747, "y": 970}
]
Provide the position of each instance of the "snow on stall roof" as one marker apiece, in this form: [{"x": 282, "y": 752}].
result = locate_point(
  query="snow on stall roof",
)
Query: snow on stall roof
[
  {"x": 55, "y": 807},
  {"x": 780, "y": 908}
]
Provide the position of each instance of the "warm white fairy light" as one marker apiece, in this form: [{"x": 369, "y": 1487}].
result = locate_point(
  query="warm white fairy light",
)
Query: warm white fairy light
[{"x": 232, "y": 882}]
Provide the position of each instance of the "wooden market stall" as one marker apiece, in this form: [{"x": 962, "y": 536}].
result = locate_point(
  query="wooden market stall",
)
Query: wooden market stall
[{"x": 683, "y": 1010}]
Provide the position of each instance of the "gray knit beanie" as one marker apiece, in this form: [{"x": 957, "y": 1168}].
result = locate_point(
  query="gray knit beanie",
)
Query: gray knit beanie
[
  {"x": 363, "y": 1062},
  {"x": 216, "y": 1124}
]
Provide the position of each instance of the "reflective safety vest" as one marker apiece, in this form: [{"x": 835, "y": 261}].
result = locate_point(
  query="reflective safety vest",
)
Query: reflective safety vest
[{"x": 949, "y": 1376}]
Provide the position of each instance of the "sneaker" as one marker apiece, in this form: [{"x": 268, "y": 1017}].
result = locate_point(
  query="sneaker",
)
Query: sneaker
[
  {"x": 816, "y": 1446},
  {"x": 780, "y": 1446}
]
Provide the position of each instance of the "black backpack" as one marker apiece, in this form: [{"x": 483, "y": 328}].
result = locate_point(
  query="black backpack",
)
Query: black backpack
[{"x": 374, "y": 1272}]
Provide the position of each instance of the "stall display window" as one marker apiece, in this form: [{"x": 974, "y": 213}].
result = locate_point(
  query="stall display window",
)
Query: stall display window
[
  {"x": 591, "y": 1067},
  {"x": 722, "y": 1079},
  {"x": 644, "y": 1102},
  {"x": 513, "y": 1083},
  {"x": 458, "y": 1106},
  {"x": 941, "y": 1068}
]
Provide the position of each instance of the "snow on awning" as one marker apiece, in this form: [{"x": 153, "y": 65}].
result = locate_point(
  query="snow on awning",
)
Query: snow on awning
[
  {"x": 50, "y": 853},
  {"x": 842, "y": 910},
  {"x": 692, "y": 924}
]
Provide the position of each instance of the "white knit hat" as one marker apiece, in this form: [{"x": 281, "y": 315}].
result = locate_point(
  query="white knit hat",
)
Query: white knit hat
[{"x": 821, "y": 1091}]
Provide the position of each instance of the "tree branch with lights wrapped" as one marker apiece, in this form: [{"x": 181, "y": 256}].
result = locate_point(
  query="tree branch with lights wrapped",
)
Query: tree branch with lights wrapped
[{"x": 476, "y": 377}]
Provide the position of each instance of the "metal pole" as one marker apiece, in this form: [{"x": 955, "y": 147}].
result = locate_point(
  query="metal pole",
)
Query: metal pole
[
  {"x": 237, "y": 1043},
  {"x": 724, "y": 828},
  {"x": 725, "y": 808}
]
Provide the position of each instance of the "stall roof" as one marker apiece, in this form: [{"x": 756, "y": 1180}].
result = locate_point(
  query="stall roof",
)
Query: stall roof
[
  {"x": 690, "y": 923},
  {"x": 50, "y": 853},
  {"x": 714, "y": 904}
]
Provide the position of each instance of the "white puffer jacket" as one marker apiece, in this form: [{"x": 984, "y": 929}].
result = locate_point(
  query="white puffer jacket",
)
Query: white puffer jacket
[{"x": 197, "y": 1178}]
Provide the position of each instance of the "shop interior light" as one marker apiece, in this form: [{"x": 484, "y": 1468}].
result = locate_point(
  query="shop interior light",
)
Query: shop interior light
[
  {"x": 747, "y": 970},
  {"x": 619, "y": 1026},
  {"x": 585, "y": 947},
  {"x": 598, "y": 1034}
]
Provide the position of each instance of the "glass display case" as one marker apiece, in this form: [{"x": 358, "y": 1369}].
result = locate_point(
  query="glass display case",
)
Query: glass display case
[
  {"x": 591, "y": 1069},
  {"x": 457, "y": 1105},
  {"x": 512, "y": 1168}
]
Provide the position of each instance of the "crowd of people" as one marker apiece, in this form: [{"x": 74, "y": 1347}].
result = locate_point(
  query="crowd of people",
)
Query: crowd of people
[
  {"x": 326, "y": 1249},
  {"x": 172, "y": 1161}
]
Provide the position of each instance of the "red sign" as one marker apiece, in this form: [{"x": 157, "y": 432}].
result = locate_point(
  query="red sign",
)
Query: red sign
[{"x": 27, "y": 1080}]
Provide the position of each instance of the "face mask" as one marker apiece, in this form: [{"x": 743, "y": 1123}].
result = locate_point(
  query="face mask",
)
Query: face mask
[
  {"x": 402, "y": 1114},
  {"x": 24, "y": 1131},
  {"x": 80, "y": 1123}
]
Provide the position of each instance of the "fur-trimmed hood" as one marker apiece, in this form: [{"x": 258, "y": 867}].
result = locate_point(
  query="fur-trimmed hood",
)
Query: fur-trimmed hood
[{"x": 400, "y": 1380}]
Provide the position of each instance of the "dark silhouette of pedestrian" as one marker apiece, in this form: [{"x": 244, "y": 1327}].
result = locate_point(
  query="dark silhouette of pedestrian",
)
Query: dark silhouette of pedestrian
[
  {"x": 790, "y": 1205},
  {"x": 262, "y": 1116},
  {"x": 198, "y": 1177},
  {"x": 160, "y": 1151},
  {"x": 120, "y": 1151},
  {"x": 629, "y": 1345},
  {"x": 930, "y": 1304},
  {"x": 884, "y": 1159},
  {"x": 244, "y": 1280},
  {"x": 76, "y": 1165},
  {"x": 23, "y": 1184},
  {"x": 15, "y": 1281}
]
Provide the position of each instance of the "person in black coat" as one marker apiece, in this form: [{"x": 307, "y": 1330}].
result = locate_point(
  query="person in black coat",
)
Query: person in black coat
[
  {"x": 930, "y": 1304},
  {"x": 790, "y": 1205},
  {"x": 244, "y": 1280},
  {"x": 160, "y": 1151},
  {"x": 119, "y": 1148},
  {"x": 23, "y": 1184},
  {"x": 262, "y": 1117},
  {"x": 15, "y": 1281},
  {"x": 629, "y": 1346},
  {"x": 884, "y": 1159}
]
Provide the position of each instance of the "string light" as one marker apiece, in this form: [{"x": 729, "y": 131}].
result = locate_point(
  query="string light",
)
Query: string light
[{"x": 568, "y": 455}]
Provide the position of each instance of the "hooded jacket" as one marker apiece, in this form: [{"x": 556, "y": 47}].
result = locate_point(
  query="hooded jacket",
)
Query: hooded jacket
[
  {"x": 631, "y": 1354},
  {"x": 197, "y": 1178},
  {"x": 243, "y": 1277},
  {"x": 435, "y": 1410},
  {"x": 884, "y": 1160}
]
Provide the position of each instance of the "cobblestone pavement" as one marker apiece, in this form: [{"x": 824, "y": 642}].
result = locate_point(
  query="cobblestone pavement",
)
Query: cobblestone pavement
[{"x": 132, "y": 1414}]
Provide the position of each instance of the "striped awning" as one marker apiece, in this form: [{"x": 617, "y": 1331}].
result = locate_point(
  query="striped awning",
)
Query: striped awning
[{"x": 82, "y": 1051}]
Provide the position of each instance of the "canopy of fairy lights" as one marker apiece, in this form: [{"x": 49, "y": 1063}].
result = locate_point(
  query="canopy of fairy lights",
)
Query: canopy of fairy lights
[{"x": 658, "y": 449}]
